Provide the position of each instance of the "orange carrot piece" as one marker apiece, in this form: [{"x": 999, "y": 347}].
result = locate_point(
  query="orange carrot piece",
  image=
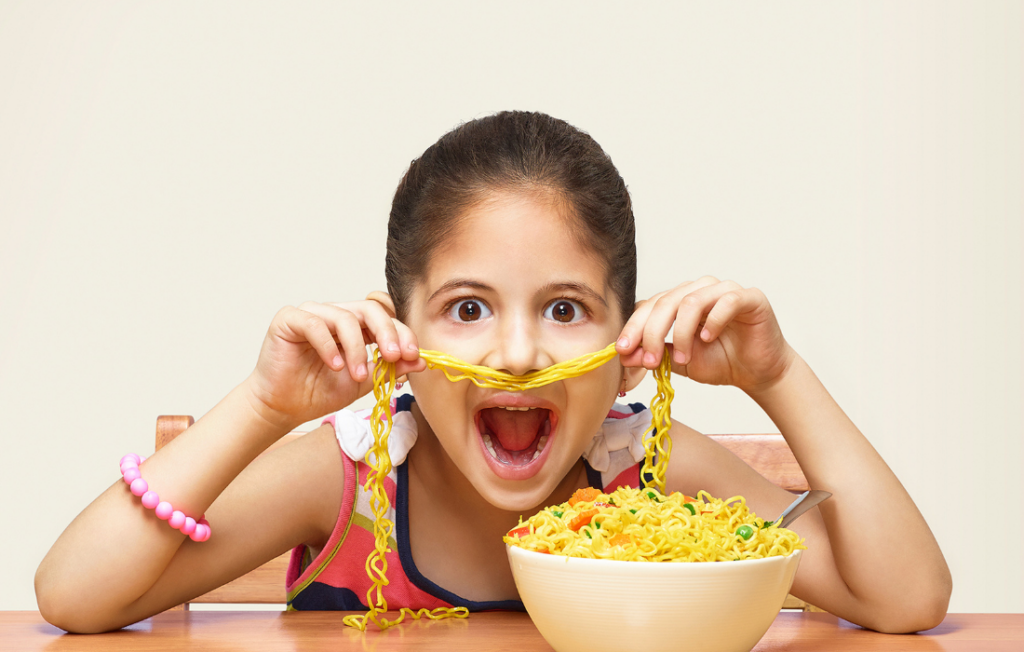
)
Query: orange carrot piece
[
  {"x": 587, "y": 495},
  {"x": 620, "y": 540},
  {"x": 582, "y": 519}
]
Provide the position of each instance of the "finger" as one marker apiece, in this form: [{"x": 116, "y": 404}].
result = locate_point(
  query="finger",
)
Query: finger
[
  {"x": 384, "y": 299},
  {"x": 632, "y": 333},
  {"x": 371, "y": 316},
  {"x": 664, "y": 313},
  {"x": 348, "y": 330},
  {"x": 405, "y": 367},
  {"x": 634, "y": 359},
  {"x": 350, "y": 334},
  {"x": 693, "y": 309},
  {"x": 311, "y": 328},
  {"x": 407, "y": 341},
  {"x": 729, "y": 306},
  {"x": 381, "y": 327}
]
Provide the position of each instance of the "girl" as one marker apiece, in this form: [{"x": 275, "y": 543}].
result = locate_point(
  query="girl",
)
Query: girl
[{"x": 510, "y": 245}]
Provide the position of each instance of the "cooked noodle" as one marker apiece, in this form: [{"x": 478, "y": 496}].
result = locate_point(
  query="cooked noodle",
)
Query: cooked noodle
[{"x": 643, "y": 525}]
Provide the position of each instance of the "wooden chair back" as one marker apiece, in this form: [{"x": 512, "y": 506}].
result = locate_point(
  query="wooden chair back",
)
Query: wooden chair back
[{"x": 767, "y": 454}]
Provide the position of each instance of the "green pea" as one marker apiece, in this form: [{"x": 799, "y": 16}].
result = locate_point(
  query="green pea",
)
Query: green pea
[
  {"x": 611, "y": 501},
  {"x": 597, "y": 525},
  {"x": 653, "y": 496},
  {"x": 557, "y": 513},
  {"x": 693, "y": 510},
  {"x": 632, "y": 511},
  {"x": 745, "y": 532},
  {"x": 587, "y": 532}
]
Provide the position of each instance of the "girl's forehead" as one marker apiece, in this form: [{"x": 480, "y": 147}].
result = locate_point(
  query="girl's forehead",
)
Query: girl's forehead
[{"x": 517, "y": 242}]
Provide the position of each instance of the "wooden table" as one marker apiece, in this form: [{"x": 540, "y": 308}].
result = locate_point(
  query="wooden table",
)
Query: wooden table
[{"x": 261, "y": 630}]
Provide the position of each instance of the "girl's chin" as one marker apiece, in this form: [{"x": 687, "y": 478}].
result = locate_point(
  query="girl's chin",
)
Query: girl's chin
[
  {"x": 523, "y": 502},
  {"x": 519, "y": 489}
]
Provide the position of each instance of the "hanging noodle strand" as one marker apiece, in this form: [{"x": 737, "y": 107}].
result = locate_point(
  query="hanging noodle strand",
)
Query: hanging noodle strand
[{"x": 657, "y": 448}]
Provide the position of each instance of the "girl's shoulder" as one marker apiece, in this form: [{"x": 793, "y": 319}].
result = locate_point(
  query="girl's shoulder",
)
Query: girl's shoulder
[
  {"x": 352, "y": 428},
  {"x": 615, "y": 453}
]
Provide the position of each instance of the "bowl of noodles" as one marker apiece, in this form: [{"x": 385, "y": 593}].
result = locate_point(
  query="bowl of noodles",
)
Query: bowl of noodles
[{"x": 635, "y": 569}]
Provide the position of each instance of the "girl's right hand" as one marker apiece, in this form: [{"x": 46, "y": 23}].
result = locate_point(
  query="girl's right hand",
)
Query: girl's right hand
[{"x": 302, "y": 373}]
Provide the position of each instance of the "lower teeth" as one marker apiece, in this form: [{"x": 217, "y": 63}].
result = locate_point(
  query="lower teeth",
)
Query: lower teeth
[{"x": 489, "y": 445}]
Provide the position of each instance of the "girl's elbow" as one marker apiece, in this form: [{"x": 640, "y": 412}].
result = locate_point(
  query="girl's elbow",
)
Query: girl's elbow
[
  {"x": 72, "y": 619},
  {"x": 933, "y": 609},
  {"x": 68, "y": 612},
  {"x": 52, "y": 607},
  {"x": 909, "y": 621},
  {"x": 63, "y": 613},
  {"x": 920, "y": 611},
  {"x": 934, "y": 601},
  {"x": 58, "y": 611}
]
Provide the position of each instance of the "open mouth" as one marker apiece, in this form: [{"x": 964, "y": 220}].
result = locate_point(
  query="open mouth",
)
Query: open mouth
[{"x": 514, "y": 436}]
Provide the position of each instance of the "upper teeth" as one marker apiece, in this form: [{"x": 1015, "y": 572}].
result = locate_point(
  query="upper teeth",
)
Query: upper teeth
[{"x": 521, "y": 409}]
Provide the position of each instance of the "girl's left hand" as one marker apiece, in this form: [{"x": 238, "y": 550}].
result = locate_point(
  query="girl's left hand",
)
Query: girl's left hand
[{"x": 722, "y": 334}]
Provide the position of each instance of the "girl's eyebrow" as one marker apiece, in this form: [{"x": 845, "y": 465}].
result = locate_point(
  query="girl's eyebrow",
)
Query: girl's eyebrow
[
  {"x": 460, "y": 283},
  {"x": 580, "y": 288}
]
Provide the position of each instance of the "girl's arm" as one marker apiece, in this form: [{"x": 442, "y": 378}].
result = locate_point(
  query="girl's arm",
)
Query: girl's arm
[
  {"x": 871, "y": 557},
  {"x": 117, "y": 563}
]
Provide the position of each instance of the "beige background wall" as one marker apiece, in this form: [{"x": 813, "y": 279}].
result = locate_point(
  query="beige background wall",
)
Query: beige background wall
[{"x": 173, "y": 173}]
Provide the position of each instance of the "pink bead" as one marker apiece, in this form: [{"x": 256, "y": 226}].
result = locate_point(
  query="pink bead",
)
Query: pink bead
[
  {"x": 190, "y": 525},
  {"x": 141, "y": 459},
  {"x": 202, "y": 533},
  {"x": 130, "y": 456},
  {"x": 164, "y": 510},
  {"x": 202, "y": 520},
  {"x": 139, "y": 486},
  {"x": 150, "y": 500},
  {"x": 126, "y": 467},
  {"x": 177, "y": 520},
  {"x": 132, "y": 474}
]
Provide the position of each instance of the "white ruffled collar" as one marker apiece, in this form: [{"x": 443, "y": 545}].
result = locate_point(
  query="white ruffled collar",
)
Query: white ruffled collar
[{"x": 616, "y": 435}]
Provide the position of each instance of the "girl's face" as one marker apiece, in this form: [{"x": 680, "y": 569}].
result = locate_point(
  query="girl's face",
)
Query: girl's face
[{"x": 513, "y": 289}]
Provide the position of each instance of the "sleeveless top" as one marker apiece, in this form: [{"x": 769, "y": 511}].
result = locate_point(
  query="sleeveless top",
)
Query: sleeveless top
[{"x": 336, "y": 579}]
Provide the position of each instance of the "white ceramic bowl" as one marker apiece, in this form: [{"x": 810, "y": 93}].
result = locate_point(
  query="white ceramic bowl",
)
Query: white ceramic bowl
[{"x": 597, "y": 605}]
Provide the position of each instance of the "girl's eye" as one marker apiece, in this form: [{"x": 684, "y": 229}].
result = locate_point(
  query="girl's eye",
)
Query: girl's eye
[
  {"x": 565, "y": 311},
  {"x": 469, "y": 310}
]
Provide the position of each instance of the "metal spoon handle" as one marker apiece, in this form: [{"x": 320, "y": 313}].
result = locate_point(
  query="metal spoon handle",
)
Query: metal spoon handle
[{"x": 804, "y": 502}]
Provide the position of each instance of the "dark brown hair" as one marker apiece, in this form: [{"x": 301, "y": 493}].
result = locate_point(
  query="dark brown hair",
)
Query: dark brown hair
[{"x": 510, "y": 151}]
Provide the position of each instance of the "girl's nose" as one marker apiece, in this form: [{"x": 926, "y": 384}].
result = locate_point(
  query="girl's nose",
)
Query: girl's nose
[{"x": 519, "y": 351}]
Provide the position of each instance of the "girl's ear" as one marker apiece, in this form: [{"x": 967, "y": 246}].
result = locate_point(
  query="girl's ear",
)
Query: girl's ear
[
  {"x": 384, "y": 299},
  {"x": 632, "y": 376}
]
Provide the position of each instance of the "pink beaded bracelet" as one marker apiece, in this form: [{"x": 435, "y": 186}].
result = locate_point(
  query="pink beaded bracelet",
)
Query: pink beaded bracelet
[{"x": 196, "y": 530}]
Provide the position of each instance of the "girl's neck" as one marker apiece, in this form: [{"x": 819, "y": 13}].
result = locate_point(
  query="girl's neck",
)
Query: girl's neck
[{"x": 437, "y": 474}]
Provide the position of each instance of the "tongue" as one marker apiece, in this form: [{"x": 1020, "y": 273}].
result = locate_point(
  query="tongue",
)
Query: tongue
[{"x": 514, "y": 429}]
